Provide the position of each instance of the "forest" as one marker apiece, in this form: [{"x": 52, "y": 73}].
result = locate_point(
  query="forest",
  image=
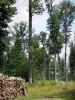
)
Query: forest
[{"x": 44, "y": 56}]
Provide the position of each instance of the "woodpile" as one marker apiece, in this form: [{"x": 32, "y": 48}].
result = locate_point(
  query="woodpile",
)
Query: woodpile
[{"x": 11, "y": 87}]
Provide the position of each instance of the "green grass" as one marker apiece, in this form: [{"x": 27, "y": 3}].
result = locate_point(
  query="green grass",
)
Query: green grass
[{"x": 50, "y": 89}]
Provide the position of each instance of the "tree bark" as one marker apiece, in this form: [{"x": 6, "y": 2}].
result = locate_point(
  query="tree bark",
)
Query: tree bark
[
  {"x": 30, "y": 43},
  {"x": 49, "y": 65},
  {"x": 65, "y": 31},
  {"x": 65, "y": 59},
  {"x": 44, "y": 63},
  {"x": 55, "y": 72}
]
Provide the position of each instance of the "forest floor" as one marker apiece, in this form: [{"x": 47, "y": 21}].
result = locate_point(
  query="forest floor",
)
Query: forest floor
[{"x": 50, "y": 90}]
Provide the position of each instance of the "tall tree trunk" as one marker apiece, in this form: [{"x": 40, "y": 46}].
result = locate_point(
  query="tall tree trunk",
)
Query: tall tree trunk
[
  {"x": 30, "y": 43},
  {"x": 65, "y": 58},
  {"x": 49, "y": 65},
  {"x": 65, "y": 27},
  {"x": 44, "y": 63},
  {"x": 59, "y": 71},
  {"x": 55, "y": 72},
  {"x": 65, "y": 31},
  {"x": 44, "y": 71}
]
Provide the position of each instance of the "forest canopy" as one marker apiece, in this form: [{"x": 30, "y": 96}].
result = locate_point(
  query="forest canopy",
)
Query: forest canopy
[{"x": 37, "y": 56}]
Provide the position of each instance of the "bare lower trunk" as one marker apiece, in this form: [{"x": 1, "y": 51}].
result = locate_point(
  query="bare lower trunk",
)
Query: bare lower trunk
[
  {"x": 59, "y": 71},
  {"x": 44, "y": 64},
  {"x": 30, "y": 43},
  {"x": 44, "y": 71},
  {"x": 65, "y": 64},
  {"x": 49, "y": 65},
  {"x": 55, "y": 68}
]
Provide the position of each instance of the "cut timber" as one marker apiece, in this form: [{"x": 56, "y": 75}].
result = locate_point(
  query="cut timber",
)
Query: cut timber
[{"x": 11, "y": 87}]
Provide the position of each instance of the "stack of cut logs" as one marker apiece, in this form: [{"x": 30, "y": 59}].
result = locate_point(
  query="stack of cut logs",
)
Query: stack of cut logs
[{"x": 11, "y": 87}]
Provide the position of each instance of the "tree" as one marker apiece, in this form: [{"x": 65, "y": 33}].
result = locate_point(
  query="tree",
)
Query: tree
[
  {"x": 72, "y": 61},
  {"x": 60, "y": 69},
  {"x": 55, "y": 37},
  {"x": 35, "y": 7},
  {"x": 37, "y": 58},
  {"x": 43, "y": 42},
  {"x": 67, "y": 14},
  {"x": 6, "y": 12},
  {"x": 16, "y": 61}
]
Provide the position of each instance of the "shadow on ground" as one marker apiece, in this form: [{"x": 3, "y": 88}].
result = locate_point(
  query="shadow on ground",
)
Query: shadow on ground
[{"x": 66, "y": 95}]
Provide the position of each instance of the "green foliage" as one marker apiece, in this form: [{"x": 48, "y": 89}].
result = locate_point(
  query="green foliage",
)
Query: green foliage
[
  {"x": 55, "y": 39},
  {"x": 40, "y": 83},
  {"x": 45, "y": 83},
  {"x": 37, "y": 7},
  {"x": 61, "y": 70},
  {"x": 36, "y": 74},
  {"x": 53, "y": 25},
  {"x": 21, "y": 46},
  {"x": 37, "y": 57},
  {"x": 6, "y": 12},
  {"x": 16, "y": 64},
  {"x": 67, "y": 15},
  {"x": 72, "y": 61},
  {"x": 16, "y": 59}
]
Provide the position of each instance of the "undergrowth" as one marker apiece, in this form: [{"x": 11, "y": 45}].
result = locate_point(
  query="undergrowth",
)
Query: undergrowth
[{"x": 50, "y": 89}]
